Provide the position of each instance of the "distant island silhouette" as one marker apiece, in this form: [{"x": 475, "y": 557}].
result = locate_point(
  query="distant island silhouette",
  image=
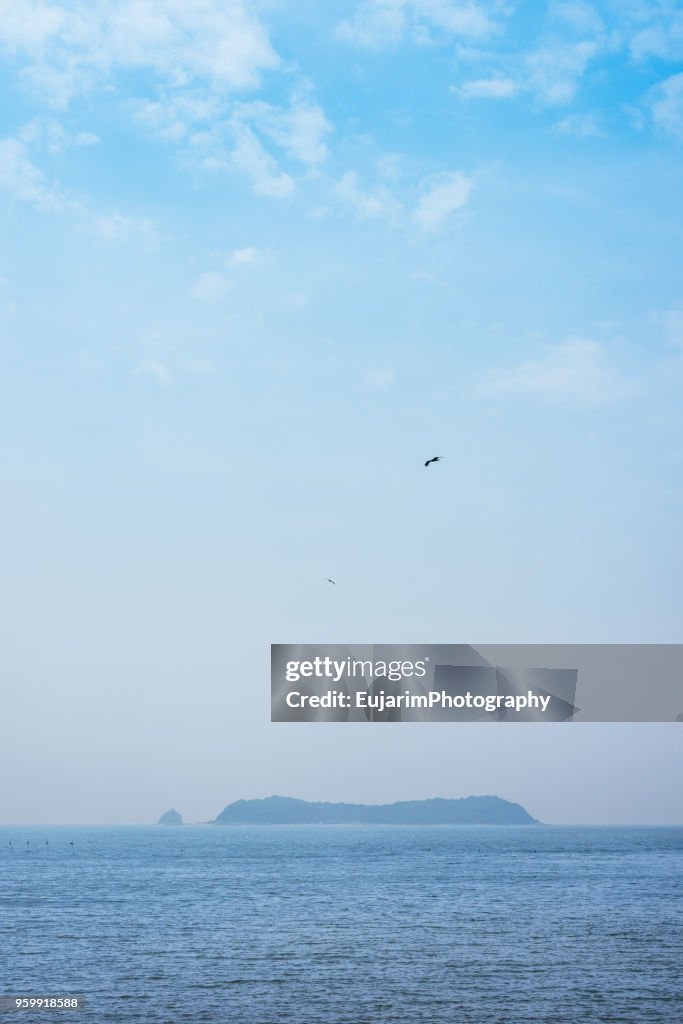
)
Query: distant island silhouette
[
  {"x": 282, "y": 810},
  {"x": 171, "y": 817}
]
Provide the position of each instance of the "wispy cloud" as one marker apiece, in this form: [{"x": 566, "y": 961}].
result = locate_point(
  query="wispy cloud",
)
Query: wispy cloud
[
  {"x": 298, "y": 129},
  {"x": 582, "y": 18},
  {"x": 366, "y": 204},
  {"x": 580, "y": 126},
  {"x": 665, "y": 102},
  {"x": 212, "y": 286},
  {"x": 201, "y": 55},
  {"x": 26, "y": 182},
  {"x": 554, "y": 71},
  {"x": 379, "y": 380},
  {"x": 443, "y": 196},
  {"x": 51, "y": 135},
  {"x": 116, "y": 227},
  {"x": 376, "y": 24},
  {"x": 270, "y": 144},
  {"x": 658, "y": 32},
  {"x": 20, "y": 176},
  {"x": 71, "y": 48},
  {"x": 154, "y": 369},
  {"x": 243, "y": 257},
  {"x": 174, "y": 115},
  {"x": 578, "y": 371},
  {"x": 671, "y": 322},
  {"x": 250, "y": 156},
  {"x": 497, "y": 87}
]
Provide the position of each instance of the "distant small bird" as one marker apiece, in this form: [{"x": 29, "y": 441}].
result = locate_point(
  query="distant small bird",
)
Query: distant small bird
[
  {"x": 73, "y": 846},
  {"x": 11, "y": 846},
  {"x": 28, "y": 843},
  {"x": 437, "y": 458},
  {"x": 330, "y": 581}
]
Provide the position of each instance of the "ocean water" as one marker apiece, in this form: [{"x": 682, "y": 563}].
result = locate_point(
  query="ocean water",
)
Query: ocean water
[{"x": 338, "y": 924}]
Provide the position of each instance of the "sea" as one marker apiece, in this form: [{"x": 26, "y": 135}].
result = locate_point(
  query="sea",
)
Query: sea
[{"x": 343, "y": 924}]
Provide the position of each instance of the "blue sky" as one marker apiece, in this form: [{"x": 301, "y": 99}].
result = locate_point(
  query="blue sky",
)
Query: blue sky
[{"x": 257, "y": 262}]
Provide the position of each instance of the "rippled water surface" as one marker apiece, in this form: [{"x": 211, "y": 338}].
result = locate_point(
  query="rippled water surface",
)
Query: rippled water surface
[{"x": 340, "y": 924}]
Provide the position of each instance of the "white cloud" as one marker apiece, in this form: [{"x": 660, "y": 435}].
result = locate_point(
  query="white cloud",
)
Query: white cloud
[
  {"x": 162, "y": 118},
  {"x": 366, "y": 205},
  {"x": 577, "y": 371},
  {"x": 299, "y": 129},
  {"x": 572, "y": 37},
  {"x": 211, "y": 286},
  {"x": 666, "y": 106},
  {"x": 115, "y": 227},
  {"x": 376, "y": 24},
  {"x": 496, "y": 88},
  {"x": 444, "y": 195},
  {"x": 555, "y": 71},
  {"x": 45, "y": 132},
  {"x": 27, "y": 25},
  {"x": 661, "y": 37},
  {"x": 152, "y": 368},
  {"x": 197, "y": 54},
  {"x": 581, "y": 17},
  {"x": 390, "y": 166},
  {"x": 227, "y": 137},
  {"x": 379, "y": 380},
  {"x": 174, "y": 115},
  {"x": 250, "y": 157},
  {"x": 580, "y": 126},
  {"x": 50, "y": 134},
  {"x": 671, "y": 321},
  {"x": 243, "y": 257},
  {"x": 26, "y": 182},
  {"x": 74, "y": 46},
  {"x": 20, "y": 177},
  {"x": 456, "y": 17}
]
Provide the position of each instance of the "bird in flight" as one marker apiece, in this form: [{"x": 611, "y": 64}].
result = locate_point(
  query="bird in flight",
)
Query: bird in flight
[
  {"x": 437, "y": 458},
  {"x": 330, "y": 581}
]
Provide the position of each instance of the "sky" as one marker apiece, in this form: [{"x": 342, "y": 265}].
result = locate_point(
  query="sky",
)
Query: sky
[{"x": 258, "y": 261}]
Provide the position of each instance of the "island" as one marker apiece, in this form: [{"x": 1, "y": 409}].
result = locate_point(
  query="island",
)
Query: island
[
  {"x": 282, "y": 810},
  {"x": 171, "y": 817}
]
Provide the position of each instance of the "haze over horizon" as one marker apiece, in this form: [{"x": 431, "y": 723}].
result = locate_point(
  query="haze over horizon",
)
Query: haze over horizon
[
  {"x": 547, "y": 774},
  {"x": 258, "y": 262}
]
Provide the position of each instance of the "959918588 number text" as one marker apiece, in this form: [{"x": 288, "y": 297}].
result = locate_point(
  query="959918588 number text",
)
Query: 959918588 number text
[{"x": 27, "y": 1002}]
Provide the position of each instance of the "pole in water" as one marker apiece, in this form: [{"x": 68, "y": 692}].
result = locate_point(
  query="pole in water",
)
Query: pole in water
[
  {"x": 28, "y": 843},
  {"x": 73, "y": 847},
  {"x": 11, "y": 846}
]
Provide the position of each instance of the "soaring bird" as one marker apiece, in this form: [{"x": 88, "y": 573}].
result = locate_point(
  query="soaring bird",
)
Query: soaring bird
[
  {"x": 330, "y": 581},
  {"x": 437, "y": 458}
]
